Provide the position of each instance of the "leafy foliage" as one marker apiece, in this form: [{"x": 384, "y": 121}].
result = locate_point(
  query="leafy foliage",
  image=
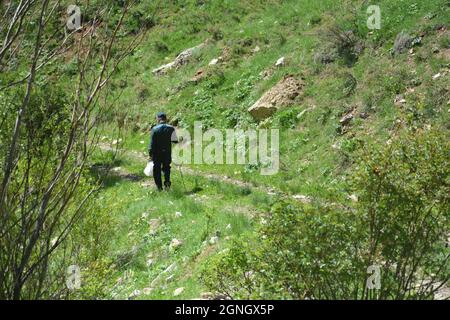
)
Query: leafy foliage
[{"x": 400, "y": 224}]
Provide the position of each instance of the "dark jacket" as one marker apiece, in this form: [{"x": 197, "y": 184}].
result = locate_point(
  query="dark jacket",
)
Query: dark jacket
[{"x": 161, "y": 138}]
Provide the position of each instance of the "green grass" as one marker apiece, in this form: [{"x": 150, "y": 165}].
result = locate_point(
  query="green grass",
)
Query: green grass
[
  {"x": 279, "y": 30},
  {"x": 205, "y": 213},
  {"x": 311, "y": 164}
]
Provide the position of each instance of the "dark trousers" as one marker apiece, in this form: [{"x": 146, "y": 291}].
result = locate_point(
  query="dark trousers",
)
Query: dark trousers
[{"x": 164, "y": 166}]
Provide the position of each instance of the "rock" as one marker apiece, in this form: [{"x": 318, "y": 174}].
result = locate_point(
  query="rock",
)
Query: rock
[
  {"x": 282, "y": 94},
  {"x": 134, "y": 294},
  {"x": 178, "y": 214},
  {"x": 181, "y": 59},
  {"x": 199, "y": 76},
  {"x": 206, "y": 295},
  {"x": 302, "y": 198},
  {"x": 178, "y": 291},
  {"x": 443, "y": 293},
  {"x": 345, "y": 120},
  {"x": 156, "y": 280},
  {"x": 154, "y": 225},
  {"x": 336, "y": 146},
  {"x": 220, "y": 297},
  {"x": 174, "y": 244},
  {"x": 300, "y": 115},
  {"x": 353, "y": 197},
  {"x": 280, "y": 62},
  {"x": 214, "y": 240},
  {"x": 147, "y": 184},
  {"x": 213, "y": 62},
  {"x": 170, "y": 278},
  {"x": 399, "y": 100},
  {"x": 114, "y": 142},
  {"x": 437, "y": 76},
  {"x": 363, "y": 115},
  {"x": 266, "y": 74},
  {"x": 227, "y": 53},
  {"x": 256, "y": 49},
  {"x": 170, "y": 268}
]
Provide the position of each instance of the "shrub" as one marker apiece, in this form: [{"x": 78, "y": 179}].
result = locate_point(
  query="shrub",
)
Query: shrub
[
  {"x": 161, "y": 47},
  {"x": 347, "y": 44},
  {"x": 403, "y": 42},
  {"x": 399, "y": 224}
]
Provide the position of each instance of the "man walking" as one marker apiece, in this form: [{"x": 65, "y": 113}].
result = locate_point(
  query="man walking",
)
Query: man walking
[{"x": 160, "y": 150}]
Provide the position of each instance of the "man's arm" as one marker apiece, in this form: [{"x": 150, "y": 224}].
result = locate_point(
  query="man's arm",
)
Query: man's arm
[{"x": 151, "y": 145}]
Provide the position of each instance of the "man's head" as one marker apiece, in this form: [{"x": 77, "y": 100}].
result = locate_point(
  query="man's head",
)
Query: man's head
[{"x": 161, "y": 117}]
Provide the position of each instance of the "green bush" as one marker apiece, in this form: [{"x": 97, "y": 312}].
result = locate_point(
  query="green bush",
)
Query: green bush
[{"x": 399, "y": 224}]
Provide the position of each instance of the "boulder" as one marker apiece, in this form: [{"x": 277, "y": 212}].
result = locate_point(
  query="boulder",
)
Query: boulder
[
  {"x": 282, "y": 94},
  {"x": 181, "y": 59}
]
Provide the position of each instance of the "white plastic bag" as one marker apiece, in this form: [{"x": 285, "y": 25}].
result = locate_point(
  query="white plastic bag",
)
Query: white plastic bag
[{"x": 148, "y": 171}]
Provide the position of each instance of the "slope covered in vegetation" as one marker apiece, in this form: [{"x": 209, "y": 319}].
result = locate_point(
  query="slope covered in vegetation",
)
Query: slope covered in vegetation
[
  {"x": 363, "y": 179},
  {"x": 360, "y": 90}
]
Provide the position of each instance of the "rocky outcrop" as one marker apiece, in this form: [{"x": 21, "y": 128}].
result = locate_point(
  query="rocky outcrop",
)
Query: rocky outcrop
[
  {"x": 282, "y": 94},
  {"x": 181, "y": 59}
]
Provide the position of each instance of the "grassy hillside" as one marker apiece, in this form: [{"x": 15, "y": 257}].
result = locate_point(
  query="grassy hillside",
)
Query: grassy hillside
[
  {"x": 298, "y": 31},
  {"x": 382, "y": 89},
  {"x": 363, "y": 177}
]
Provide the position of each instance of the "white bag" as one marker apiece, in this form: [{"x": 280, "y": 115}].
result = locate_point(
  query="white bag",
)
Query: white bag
[{"x": 148, "y": 171}]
